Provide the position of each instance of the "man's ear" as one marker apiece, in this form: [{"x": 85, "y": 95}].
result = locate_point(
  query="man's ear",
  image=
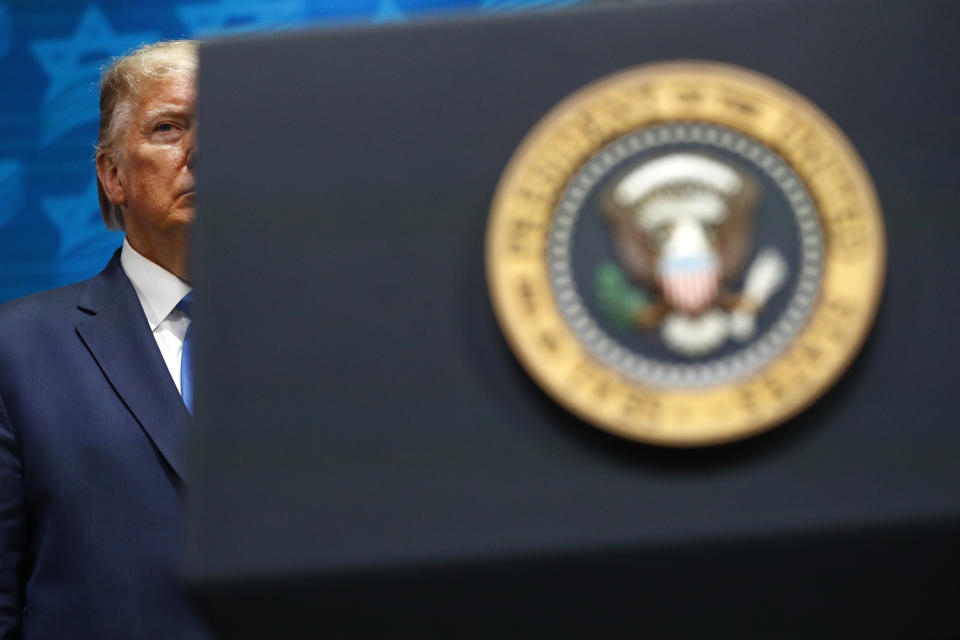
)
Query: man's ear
[{"x": 109, "y": 174}]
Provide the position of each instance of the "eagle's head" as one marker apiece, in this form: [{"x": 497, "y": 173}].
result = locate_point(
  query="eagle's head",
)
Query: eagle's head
[{"x": 682, "y": 224}]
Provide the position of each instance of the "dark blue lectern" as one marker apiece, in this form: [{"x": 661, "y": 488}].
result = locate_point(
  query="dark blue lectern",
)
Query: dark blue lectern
[{"x": 370, "y": 460}]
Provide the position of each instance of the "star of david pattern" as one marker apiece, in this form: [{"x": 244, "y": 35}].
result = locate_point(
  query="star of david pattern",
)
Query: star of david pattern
[{"x": 51, "y": 56}]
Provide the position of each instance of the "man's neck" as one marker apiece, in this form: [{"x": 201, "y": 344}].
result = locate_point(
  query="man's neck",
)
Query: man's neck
[{"x": 171, "y": 256}]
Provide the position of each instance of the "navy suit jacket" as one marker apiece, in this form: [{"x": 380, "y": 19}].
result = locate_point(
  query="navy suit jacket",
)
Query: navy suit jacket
[{"x": 91, "y": 469}]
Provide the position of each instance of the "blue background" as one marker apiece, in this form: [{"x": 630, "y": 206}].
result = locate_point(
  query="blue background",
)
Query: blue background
[{"x": 51, "y": 54}]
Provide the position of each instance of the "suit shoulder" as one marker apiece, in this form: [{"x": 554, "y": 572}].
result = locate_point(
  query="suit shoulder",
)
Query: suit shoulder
[{"x": 52, "y": 306}]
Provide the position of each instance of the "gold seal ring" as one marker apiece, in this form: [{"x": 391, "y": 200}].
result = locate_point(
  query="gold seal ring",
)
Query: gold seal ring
[{"x": 685, "y": 253}]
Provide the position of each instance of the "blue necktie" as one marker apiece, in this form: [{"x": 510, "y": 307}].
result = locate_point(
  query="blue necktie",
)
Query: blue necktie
[{"x": 186, "y": 360}]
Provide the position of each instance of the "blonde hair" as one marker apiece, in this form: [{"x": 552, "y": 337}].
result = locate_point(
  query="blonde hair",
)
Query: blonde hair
[{"x": 122, "y": 84}]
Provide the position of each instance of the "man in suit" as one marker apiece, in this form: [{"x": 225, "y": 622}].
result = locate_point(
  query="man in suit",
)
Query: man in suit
[{"x": 91, "y": 416}]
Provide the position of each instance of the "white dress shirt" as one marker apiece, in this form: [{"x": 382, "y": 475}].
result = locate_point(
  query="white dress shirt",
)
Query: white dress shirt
[{"x": 159, "y": 292}]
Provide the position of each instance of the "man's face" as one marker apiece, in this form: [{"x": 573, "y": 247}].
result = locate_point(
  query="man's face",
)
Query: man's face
[{"x": 154, "y": 180}]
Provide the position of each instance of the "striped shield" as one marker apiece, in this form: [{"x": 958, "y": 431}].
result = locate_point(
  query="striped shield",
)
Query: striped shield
[{"x": 689, "y": 283}]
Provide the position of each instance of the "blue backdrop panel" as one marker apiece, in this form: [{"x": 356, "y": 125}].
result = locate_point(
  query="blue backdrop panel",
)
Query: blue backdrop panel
[{"x": 51, "y": 54}]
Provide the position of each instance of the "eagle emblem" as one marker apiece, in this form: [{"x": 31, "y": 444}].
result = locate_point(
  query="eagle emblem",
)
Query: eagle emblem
[
  {"x": 682, "y": 226},
  {"x": 685, "y": 253}
]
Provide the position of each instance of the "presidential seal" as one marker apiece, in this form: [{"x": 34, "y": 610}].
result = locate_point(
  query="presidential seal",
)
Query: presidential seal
[{"x": 685, "y": 253}]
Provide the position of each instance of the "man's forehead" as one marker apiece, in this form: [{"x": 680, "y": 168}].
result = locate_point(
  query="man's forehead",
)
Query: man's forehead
[
  {"x": 165, "y": 109},
  {"x": 169, "y": 93}
]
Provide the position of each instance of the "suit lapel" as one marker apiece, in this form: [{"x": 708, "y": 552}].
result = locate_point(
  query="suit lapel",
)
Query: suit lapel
[{"x": 116, "y": 332}]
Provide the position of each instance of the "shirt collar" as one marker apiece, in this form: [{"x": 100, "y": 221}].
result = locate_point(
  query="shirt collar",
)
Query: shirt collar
[{"x": 159, "y": 290}]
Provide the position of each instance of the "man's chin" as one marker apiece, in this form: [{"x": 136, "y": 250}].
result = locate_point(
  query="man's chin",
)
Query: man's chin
[
  {"x": 186, "y": 206},
  {"x": 181, "y": 217}
]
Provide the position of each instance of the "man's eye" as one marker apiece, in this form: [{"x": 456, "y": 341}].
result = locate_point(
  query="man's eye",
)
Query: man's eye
[{"x": 166, "y": 126}]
